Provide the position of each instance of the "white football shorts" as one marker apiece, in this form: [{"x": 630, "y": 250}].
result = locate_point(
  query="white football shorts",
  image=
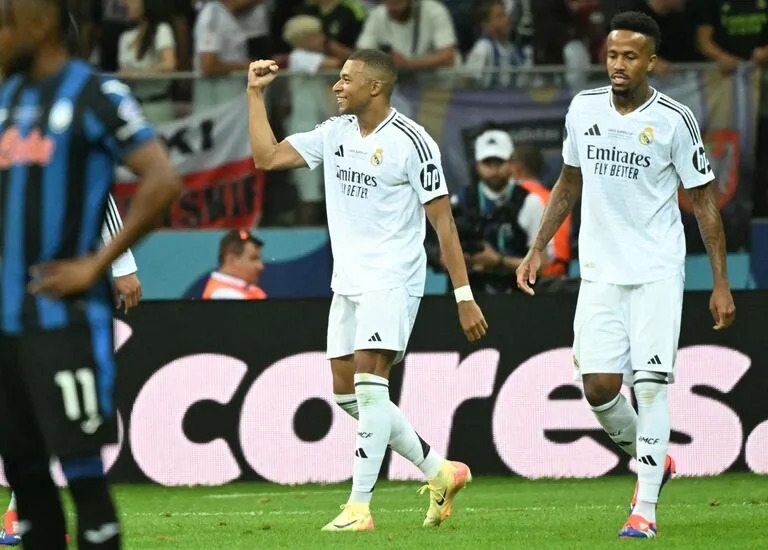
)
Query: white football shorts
[
  {"x": 625, "y": 328},
  {"x": 381, "y": 319}
]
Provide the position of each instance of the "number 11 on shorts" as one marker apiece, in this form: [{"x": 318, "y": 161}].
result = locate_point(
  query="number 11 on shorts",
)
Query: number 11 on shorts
[{"x": 68, "y": 382}]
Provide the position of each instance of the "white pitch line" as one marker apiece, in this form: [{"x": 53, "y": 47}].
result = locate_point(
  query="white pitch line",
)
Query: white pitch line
[
  {"x": 305, "y": 493},
  {"x": 471, "y": 510}
]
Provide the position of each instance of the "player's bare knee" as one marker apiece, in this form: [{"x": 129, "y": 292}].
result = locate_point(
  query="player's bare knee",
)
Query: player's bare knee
[
  {"x": 600, "y": 389},
  {"x": 650, "y": 387},
  {"x": 378, "y": 362},
  {"x": 343, "y": 373}
]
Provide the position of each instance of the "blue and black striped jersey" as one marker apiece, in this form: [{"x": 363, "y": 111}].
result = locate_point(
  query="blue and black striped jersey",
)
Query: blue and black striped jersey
[{"x": 60, "y": 140}]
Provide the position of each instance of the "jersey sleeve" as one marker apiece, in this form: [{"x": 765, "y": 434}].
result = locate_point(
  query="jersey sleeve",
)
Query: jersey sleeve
[
  {"x": 424, "y": 165},
  {"x": 164, "y": 37},
  {"x": 370, "y": 36},
  {"x": 114, "y": 120},
  {"x": 444, "y": 35},
  {"x": 125, "y": 264},
  {"x": 570, "y": 147},
  {"x": 310, "y": 145},
  {"x": 706, "y": 12},
  {"x": 688, "y": 154},
  {"x": 478, "y": 57},
  {"x": 207, "y": 35}
]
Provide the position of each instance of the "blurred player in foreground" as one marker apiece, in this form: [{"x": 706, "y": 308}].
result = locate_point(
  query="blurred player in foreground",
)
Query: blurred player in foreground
[
  {"x": 627, "y": 149},
  {"x": 127, "y": 296},
  {"x": 62, "y": 131},
  {"x": 380, "y": 168}
]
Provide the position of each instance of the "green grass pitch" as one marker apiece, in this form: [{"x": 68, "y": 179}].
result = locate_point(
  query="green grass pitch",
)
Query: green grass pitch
[{"x": 729, "y": 511}]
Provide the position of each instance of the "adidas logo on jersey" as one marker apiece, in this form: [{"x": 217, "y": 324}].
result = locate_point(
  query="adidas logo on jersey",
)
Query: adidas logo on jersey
[
  {"x": 375, "y": 337},
  {"x": 654, "y": 360},
  {"x": 594, "y": 131},
  {"x": 340, "y": 151}
]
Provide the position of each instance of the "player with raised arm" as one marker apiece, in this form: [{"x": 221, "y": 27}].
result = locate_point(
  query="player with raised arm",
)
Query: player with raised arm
[
  {"x": 382, "y": 173},
  {"x": 627, "y": 149},
  {"x": 63, "y": 129}
]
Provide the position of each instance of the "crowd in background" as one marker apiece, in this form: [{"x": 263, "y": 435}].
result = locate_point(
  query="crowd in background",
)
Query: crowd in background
[
  {"x": 143, "y": 39},
  {"x": 532, "y": 32}
]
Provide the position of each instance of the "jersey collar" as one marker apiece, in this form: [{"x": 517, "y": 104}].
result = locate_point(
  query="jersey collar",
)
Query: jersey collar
[{"x": 641, "y": 108}]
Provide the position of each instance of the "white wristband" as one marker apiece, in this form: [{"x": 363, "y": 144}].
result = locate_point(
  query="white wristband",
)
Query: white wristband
[{"x": 463, "y": 294}]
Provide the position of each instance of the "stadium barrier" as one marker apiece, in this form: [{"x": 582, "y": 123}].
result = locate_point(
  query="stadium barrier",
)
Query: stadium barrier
[{"x": 214, "y": 392}]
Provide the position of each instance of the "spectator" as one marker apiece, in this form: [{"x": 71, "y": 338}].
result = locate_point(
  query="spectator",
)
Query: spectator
[
  {"x": 310, "y": 104},
  {"x": 254, "y": 18},
  {"x": 678, "y": 34},
  {"x": 736, "y": 32},
  {"x": 419, "y": 33},
  {"x": 732, "y": 32},
  {"x": 493, "y": 51},
  {"x": 240, "y": 266},
  {"x": 111, "y": 20},
  {"x": 497, "y": 219},
  {"x": 555, "y": 41},
  {"x": 342, "y": 23},
  {"x": 220, "y": 49},
  {"x": 146, "y": 50},
  {"x": 465, "y": 23},
  {"x": 525, "y": 168}
]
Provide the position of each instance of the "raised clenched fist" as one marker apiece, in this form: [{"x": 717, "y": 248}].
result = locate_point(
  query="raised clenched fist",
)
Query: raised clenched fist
[{"x": 261, "y": 73}]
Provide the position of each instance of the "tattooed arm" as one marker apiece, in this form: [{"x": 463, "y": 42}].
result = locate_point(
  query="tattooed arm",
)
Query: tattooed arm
[
  {"x": 711, "y": 228},
  {"x": 566, "y": 192}
]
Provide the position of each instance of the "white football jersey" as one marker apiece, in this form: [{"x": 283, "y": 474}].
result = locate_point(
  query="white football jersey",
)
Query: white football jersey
[
  {"x": 375, "y": 187},
  {"x": 632, "y": 166}
]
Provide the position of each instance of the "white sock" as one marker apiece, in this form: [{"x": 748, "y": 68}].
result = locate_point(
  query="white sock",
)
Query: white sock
[
  {"x": 406, "y": 442},
  {"x": 619, "y": 420},
  {"x": 653, "y": 428},
  {"x": 403, "y": 439},
  {"x": 373, "y": 431}
]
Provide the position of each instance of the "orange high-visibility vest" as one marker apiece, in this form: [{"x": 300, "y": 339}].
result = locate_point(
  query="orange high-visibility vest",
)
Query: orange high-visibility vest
[
  {"x": 233, "y": 286},
  {"x": 561, "y": 241}
]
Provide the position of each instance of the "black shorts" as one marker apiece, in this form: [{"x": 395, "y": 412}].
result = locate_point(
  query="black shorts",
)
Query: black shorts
[{"x": 56, "y": 390}]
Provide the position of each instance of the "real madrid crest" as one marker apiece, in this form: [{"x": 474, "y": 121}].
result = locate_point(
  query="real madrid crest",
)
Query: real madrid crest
[
  {"x": 646, "y": 136},
  {"x": 377, "y": 157}
]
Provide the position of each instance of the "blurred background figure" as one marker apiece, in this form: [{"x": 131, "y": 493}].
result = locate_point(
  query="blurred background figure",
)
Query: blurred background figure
[
  {"x": 221, "y": 48},
  {"x": 311, "y": 103},
  {"x": 148, "y": 50},
  {"x": 526, "y": 167},
  {"x": 418, "y": 33},
  {"x": 493, "y": 50},
  {"x": 496, "y": 218},
  {"x": 558, "y": 40},
  {"x": 676, "y": 19},
  {"x": 342, "y": 22},
  {"x": 254, "y": 17},
  {"x": 240, "y": 265}
]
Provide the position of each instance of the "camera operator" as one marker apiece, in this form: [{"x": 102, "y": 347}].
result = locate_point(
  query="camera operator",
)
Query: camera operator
[{"x": 496, "y": 218}]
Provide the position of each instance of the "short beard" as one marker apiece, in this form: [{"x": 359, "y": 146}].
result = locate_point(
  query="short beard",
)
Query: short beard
[{"x": 624, "y": 93}]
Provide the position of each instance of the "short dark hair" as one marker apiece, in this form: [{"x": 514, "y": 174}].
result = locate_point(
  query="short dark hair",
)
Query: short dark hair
[
  {"x": 234, "y": 241},
  {"x": 637, "y": 21},
  {"x": 531, "y": 158},
  {"x": 380, "y": 63},
  {"x": 484, "y": 9}
]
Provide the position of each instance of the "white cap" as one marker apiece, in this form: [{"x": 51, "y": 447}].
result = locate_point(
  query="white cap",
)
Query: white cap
[{"x": 493, "y": 144}]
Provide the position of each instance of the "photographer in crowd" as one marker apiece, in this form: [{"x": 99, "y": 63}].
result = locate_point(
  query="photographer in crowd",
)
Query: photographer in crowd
[{"x": 497, "y": 218}]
